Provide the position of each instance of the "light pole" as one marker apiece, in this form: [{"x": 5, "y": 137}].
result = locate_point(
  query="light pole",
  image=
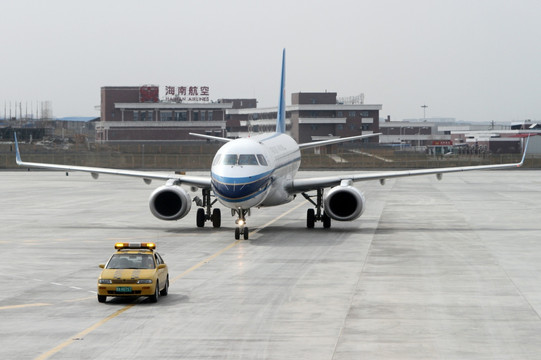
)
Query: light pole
[
  {"x": 402, "y": 137},
  {"x": 424, "y": 111}
]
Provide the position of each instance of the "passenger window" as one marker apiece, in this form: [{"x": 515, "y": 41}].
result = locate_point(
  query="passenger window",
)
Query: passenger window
[
  {"x": 230, "y": 159},
  {"x": 262, "y": 160},
  {"x": 247, "y": 159}
]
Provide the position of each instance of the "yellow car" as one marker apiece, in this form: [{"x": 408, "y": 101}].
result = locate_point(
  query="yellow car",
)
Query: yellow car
[{"x": 136, "y": 269}]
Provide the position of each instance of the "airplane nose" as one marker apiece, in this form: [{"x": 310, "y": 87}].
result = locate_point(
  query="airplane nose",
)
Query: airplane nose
[{"x": 239, "y": 189}]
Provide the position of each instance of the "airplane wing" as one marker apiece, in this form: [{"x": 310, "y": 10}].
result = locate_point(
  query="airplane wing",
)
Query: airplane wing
[
  {"x": 210, "y": 137},
  {"x": 147, "y": 176},
  {"x": 334, "y": 141},
  {"x": 302, "y": 185}
]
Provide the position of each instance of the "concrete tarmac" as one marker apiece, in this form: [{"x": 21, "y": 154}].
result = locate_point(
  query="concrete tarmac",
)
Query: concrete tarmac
[{"x": 434, "y": 269}]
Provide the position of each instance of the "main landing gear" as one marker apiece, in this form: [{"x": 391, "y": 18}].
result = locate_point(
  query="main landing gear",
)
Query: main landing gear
[
  {"x": 241, "y": 228},
  {"x": 205, "y": 212},
  {"x": 313, "y": 215}
]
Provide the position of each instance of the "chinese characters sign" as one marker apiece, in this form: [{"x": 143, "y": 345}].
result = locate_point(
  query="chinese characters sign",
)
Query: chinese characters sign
[
  {"x": 187, "y": 93},
  {"x": 442, "y": 142}
]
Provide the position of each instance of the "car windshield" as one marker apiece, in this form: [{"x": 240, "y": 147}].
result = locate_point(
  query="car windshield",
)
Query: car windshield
[{"x": 131, "y": 261}]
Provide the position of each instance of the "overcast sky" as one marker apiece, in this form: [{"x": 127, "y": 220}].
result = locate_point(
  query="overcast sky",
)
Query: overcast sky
[{"x": 473, "y": 60}]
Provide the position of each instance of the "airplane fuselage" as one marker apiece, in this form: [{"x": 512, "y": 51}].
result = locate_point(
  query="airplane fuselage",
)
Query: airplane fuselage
[{"x": 253, "y": 171}]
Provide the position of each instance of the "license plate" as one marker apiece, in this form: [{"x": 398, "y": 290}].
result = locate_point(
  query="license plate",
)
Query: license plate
[{"x": 123, "y": 289}]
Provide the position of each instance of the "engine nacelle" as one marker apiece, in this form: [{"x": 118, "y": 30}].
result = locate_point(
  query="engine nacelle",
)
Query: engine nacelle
[
  {"x": 170, "y": 202},
  {"x": 344, "y": 203}
]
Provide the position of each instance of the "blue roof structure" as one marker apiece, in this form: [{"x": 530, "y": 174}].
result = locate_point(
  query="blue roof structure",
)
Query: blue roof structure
[{"x": 79, "y": 118}]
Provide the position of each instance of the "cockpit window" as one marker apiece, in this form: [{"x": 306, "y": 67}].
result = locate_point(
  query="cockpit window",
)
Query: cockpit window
[
  {"x": 262, "y": 160},
  {"x": 247, "y": 159},
  {"x": 230, "y": 159},
  {"x": 216, "y": 159}
]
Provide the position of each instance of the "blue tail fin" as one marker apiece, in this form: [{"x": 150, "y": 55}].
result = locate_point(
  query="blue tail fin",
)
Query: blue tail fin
[{"x": 281, "y": 119}]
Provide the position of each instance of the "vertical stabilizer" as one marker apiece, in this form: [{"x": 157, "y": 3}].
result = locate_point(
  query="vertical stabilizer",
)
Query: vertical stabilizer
[{"x": 281, "y": 119}]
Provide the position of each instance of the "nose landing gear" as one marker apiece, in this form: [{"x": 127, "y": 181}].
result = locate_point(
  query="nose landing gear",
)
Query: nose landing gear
[{"x": 241, "y": 228}]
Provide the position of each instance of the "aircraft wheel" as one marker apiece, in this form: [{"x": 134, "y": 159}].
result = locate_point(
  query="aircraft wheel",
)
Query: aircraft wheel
[
  {"x": 216, "y": 218},
  {"x": 200, "y": 217},
  {"x": 310, "y": 218},
  {"x": 245, "y": 233},
  {"x": 326, "y": 221},
  {"x": 237, "y": 233}
]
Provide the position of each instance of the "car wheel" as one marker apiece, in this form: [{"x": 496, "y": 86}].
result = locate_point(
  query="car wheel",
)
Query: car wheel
[
  {"x": 165, "y": 290},
  {"x": 102, "y": 298},
  {"x": 154, "y": 298}
]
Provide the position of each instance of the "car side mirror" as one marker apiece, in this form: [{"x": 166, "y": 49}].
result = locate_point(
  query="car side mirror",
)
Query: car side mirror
[
  {"x": 102, "y": 266},
  {"x": 161, "y": 266}
]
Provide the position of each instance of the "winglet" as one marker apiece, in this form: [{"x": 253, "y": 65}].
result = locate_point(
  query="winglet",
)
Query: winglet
[
  {"x": 525, "y": 151},
  {"x": 17, "y": 153},
  {"x": 281, "y": 119}
]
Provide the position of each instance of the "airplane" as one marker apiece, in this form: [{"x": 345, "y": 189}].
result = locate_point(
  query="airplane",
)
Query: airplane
[{"x": 259, "y": 171}]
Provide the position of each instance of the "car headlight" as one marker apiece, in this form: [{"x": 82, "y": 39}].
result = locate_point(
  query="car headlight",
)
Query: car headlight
[
  {"x": 144, "y": 281},
  {"x": 105, "y": 281}
]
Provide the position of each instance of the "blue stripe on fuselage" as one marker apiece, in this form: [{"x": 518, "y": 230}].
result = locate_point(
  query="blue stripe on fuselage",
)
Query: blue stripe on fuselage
[{"x": 233, "y": 189}]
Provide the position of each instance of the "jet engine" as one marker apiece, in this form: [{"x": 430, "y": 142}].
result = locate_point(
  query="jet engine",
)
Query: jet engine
[
  {"x": 344, "y": 203},
  {"x": 170, "y": 202}
]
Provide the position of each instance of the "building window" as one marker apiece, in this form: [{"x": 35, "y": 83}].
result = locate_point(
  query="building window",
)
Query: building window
[
  {"x": 141, "y": 116},
  {"x": 340, "y": 127},
  {"x": 364, "y": 113},
  {"x": 339, "y": 114},
  {"x": 210, "y": 115},
  {"x": 166, "y": 116},
  {"x": 181, "y": 116},
  {"x": 203, "y": 115},
  {"x": 195, "y": 115},
  {"x": 352, "y": 113}
]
